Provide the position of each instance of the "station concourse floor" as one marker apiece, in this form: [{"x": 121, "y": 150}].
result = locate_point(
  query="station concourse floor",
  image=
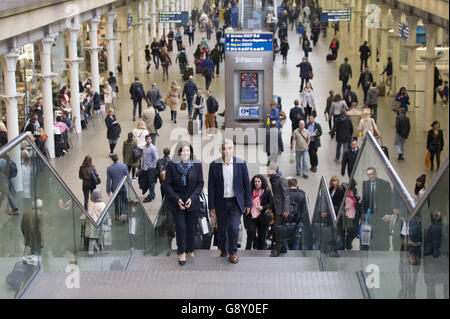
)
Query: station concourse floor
[{"x": 286, "y": 84}]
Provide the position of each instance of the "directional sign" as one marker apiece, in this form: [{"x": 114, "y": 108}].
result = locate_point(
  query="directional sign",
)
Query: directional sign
[
  {"x": 174, "y": 17},
  {"x": 403, "y": 31},
  {"x": 336, "y": 15},
  {"x": 248, "y": 42}
]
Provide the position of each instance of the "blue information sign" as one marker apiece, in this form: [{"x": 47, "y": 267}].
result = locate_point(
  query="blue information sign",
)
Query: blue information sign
[
  {"x": 403, "y": 31},
  {"x": 174, "y": 17},
  {"x": 130, "y": 20},
  {"x": 237, "y": 42},
  {"x": 335, "y": 15},
  {"x": 234, "y": 16}
]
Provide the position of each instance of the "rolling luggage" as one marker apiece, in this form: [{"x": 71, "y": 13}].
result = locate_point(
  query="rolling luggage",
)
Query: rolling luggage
[
  {"x": 329, "y": 57},
  {"x": 382, "y": 89},
  {"x": 286, "y": 231}
]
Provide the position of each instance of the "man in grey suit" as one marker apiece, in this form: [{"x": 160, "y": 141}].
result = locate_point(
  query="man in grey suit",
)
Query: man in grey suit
[
  {"x": 153, "y": 95},
  {"x": 115, "y": 173},
  {"x": 279, "y": 205}
]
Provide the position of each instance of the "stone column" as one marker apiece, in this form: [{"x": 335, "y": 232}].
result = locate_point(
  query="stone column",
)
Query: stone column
[
  {"x": 365, "y": 14},
  {"x": 45, "y": 48},
  {"x": 9, "y": 63},
  {"x": 160, "y": 25},
  {"x": 412, "y": 46},
  {"x": 145, "y": 22},
  {"x": 74, "y": 62},
  {"x": 395, "y": 50},
  {"x": 122, "y": 28},
  {"x": 182, "y": 4},
  {"x": 110, "y": 16},
  {"x": 137, "y": 55},
  {"x": 430, "y": 59},
  {"x": 373, "y": 48},
  {"x": 166, "y": 9},
  {"x": 94, "y": 49},
  {"x": 154, "y": 18},
  {"x": 384, "y": 35}
]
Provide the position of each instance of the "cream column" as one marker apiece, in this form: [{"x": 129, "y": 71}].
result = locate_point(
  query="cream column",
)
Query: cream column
[
  {"x": 160, "y": 25},
  {"x": 412, "y": 46},
  {"x": 110, "y": 16},
  {"x": 384, "y": 35},
  {"x": 74, "y": 62},
  {"x": 166, "y": 9},
  {"x": 94, "y": 49},
  {"x": 9, "y": 63},
  {"x": 373, "y": 49},
  {"x": 365, "y": 27},
  {"x": 45, "y": 48},
  {"x": 122, "y": 28},
  {"x": 145, "y": 22},
  {"x": 182, "y": 3},
  {"x": 395, "y": 50},
  {"x": 352, "y": 23},
  {"x": 137, "y": 55},
  {"x": 154, "y": 17},
  {"x": 430, "y": 59}
]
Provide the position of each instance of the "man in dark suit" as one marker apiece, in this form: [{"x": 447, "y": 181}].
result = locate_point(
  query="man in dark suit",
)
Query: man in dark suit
[
  {"x": 114, "y": 174},
  {"x": 229, "y": 196},
  {"x": 350, "y": 96},
  {"x": 349, "y": 158},
  {"x": 279, "y": 205},
  {"x": 365, "y": 79},
  {"x": 137, "y": 94},
  {"x": 315, "y": 130},
  {"x": 377, "y": 196}
]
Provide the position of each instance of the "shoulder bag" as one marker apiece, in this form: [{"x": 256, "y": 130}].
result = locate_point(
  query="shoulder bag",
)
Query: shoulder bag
[
  {"x": 95, "y": 178},
  {"x": 396, "y": 105}
]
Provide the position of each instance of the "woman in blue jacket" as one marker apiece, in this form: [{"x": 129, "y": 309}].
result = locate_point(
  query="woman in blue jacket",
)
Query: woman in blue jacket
[
  {"x": 183, "y": 186},
  {"x": 403, "y": 98}
]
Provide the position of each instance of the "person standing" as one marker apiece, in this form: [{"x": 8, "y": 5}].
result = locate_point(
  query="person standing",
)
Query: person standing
[
  {"x": 199, "y": 107},
  {"x": 388, "y": 70},
  {"x": 306, "y": 45},
  {"x": 315, "y": 131},
  {"x": 274, "y": 143},
  {"x": 86, "y": 173},
  {"x": 149, "y": 119},
  {"x": 307, "y": 100},
  {"x": 403, "y": 97},
  {"x": 149, "y": 159},
  {"x": 189, "y": 90},
  {"x": 137, "y": 94},
  {"x": 165, "y": 62},
  {"x": 349, "y": 158},
  {"x": 161, "y": 169},
  {"x": 297, "y": 198},
  {"x": 343, "y": 128},
  {"x": 154, "y": 46},
  {"x": 315, "y": 31},
  {"x": 127, "y": 152},
  {"x": 365, "y": 80},
  {"x": 170, "y": 37},
  {"x": 229, "y": 196},
  {"x": 147, "y": 58},
  {"x": 274, "y": 114},
  {"x": 173, "y": 97},
  {"x": 300, "y": 144},
  {"x": 402, "y": 128},
  {"x": 279, "y": 206},
  {"x": 212, "y": 106},
  {"x": 113, "y": 132},
  {"x": 108, "y": 95},
  {"x": 305, "y": 70},
  {"x": 364, "y": 54},
  {"x": 183, "y": 186},
  {"x": 182, "y": 59},
  {"x": 115, "y": 173},
  {"x": 284, "y": 48},
  {"x": 296, "y": 114},
  {"x": 179, "y": 39},
  {"x": 372, "y": 99},
  {"x": 113, "y": 82},
  {"x": 345, "y": 73},
  {"x": 435, "y": 143},
  {"x": 336, "y": 193}
]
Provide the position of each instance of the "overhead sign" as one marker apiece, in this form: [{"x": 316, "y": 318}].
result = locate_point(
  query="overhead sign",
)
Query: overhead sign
[
  {"x": 403, "y": 31},
  {"x": 130, "y": 20},
  {"x": 248, "y": 42},
  {"x": 335, "y": 15},
  {"x": 174, "y": 17}
]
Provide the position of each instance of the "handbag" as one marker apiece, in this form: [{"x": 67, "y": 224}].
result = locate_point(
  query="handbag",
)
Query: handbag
[
  {"x": 95, "y": 179},
  {"x": 314, "y": 112},
  {"x": 310, "y": 74},
  {"x": 427, "y": 160},
  {"x": 396, "y": 105},
  {"x": 286, "y": 231},
  {"x": 137, "y": 153},
  {"x": 183, "y": 106},
  {"x": 267, "y": 218}
]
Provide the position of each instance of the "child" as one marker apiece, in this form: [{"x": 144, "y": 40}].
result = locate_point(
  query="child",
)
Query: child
[{"x": 444, "y": 92}]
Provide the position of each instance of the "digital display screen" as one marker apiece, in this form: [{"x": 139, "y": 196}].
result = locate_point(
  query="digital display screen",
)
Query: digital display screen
[
  {"x": 173, "y": 17},
  {"x": 249, "y": 111},
  {"x": 248, "y": 42},
  {"x": 336, "y": 15},
  {"x": 249, "y": 87}
]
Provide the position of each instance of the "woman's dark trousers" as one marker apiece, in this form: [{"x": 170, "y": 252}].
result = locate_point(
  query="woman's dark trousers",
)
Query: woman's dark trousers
[{"x": 185, "y": 230}]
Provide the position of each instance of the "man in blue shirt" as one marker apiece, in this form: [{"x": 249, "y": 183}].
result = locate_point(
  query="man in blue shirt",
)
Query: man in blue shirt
[
  {"x": 275, "y": 114},
  {"x": 115, "y": 173},
  {"x": 207, "y": 68},
  {"x": 149, "y": 160},
  {"x": 190, "y": 89}
]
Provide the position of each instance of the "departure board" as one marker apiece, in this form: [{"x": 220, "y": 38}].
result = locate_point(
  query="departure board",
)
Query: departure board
[
  {"x": 235, "y": 42},
  {"x": 173, "y": 17},
  {"x": 335, "y": 15}
]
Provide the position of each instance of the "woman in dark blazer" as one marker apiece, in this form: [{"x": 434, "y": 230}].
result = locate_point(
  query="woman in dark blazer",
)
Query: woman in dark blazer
[
  {"x": 114, "y": 130},
  {"x": 435, "y": 143},
  {"x": 183, "y": 186},
  {"x": 336, "y": 192},
  {"x": 256, "y": 221}
]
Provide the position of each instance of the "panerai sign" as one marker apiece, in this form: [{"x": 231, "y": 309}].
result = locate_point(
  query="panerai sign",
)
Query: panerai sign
[{"x": 248, "y": 60}]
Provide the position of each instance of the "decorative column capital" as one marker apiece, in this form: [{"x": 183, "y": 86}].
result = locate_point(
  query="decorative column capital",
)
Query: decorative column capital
[
  {"x": 45, "y": 45},
  {"x": 12, "y": 98},
  {"x": 74, "y": 62},
  {"x": 94, "y": 49},
  {"x": 9, "y": 60},
  {"x": 430, "y": 59},
  {"x": 45, "y": 77},
  {"x": 94, "y": 23}
]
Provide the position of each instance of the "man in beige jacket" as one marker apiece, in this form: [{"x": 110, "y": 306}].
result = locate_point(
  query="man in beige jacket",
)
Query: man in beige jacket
[
  {"x": 149, "y": 119},
  {"x": 355, "y": 116}
]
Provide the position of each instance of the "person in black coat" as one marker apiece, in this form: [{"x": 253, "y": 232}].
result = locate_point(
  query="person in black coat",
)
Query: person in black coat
[
  {"x": 296, "y": 114},
  {"x": 336, "y": 192},
  {"x": 315, "y": 131},
  {"x": 350, "y": 96},
  {"x": 274, "y": 142},
  {"x": 343, "y": 128},
  {"x": 114, "y": 130},
  {"x": 137, "y": 94},
  {"x": 183, "y": 186},
  {"x": 433, "y": 236},
  {"x": 349, "y": 158},
  {"x": 365, "y": 79},
  {"x": 297, "y": 198},
  {"x": 95, "y": 99},
  {"x": 256, "y": 222},
  {"x": 435, "y": 143},
  {"x": 364, "y": 54},
  {"x": 402, "y": 128}
]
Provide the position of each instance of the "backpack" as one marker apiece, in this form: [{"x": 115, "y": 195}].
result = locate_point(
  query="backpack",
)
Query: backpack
[
  {"x": 158, "y": 120},
  {"x": 215, "y": 105},
  {"x": 294, "y": 212},
  {"x": 12, "y": 169},
  {"x": 182, "y": 58}
]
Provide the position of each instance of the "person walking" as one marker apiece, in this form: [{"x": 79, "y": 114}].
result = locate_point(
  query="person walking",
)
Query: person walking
[
  {"x": 344, "y": 130},
  {"x": 296, "y": 114},
  {"x": 170, "y": 37},
  {"x": 189, "y": 90},
  {"x": 257, "y": 220},
  {"x": 114, "y": 174},
  {"x": 88, "y": 174},
  {"x": 274, "y": 143},
  {"x": 148, "y": 166},
  {"x": 355, "y": 116},
  {"x": 183, "y": 186},
  {"x": 367, "y": 124},
  {"x": 182, "y": 59},
  {"x": 216, "y": 57},
  {"x": 435, "y": 143},
  {"x": 154, "y": 46},
  {"x": 334, "y": 47},
  {"x": 165, "y": 62},
  {"x": 349, "y": 158},
  {"x": 300, "y": 144},
  {"x": 307, "y": 100},
  {"x": 229, "y": 196},
  {"x": 305, "y": 71},
  {"x": 113, "y": 82},
  {"x": 388, "y": 70},
  {"x": 306, "y": 45},
  {"x": 372, "y": 99},
  {"x": 403, "y": 97},
  {"x": 153, "y": 95},
  {"x": 113, "y": 132},
  {"x": 173, "y": 99},
  {"x": 364, "y": 54},
  {"x": 149, "y": 119},
  {"x": 315, "y": 31},
  {"x": 127, "y": 152},
  {"x": 279, "y": 206},
  {"x": 199, "y": 107},
  {"x": 139, "y": 134},
  {"x": 190, "y": 31},
  {"x": 284, "y": 48},
  {"x": 207, "y": 67},
  {"x": 337, "y": 106},
  {"x": 161, "y": 170},
  {"x": 328, "y": 114},
  {"x": 315, "y": 131},
  {"x": 350, "y": 96},
  {"x": 345, "y": 73},
  {"x": 402, "y": 128},
  {"x": 212, "y": 106},
  {"x": 148, "y": 58},
  {"x": 365, "y": 79},
  {"x": 108, "y": 95},
  {"x": 274, "y": 114},
  {"x": 179, "y": 39},
  {"x": 137, "y": 94}
]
